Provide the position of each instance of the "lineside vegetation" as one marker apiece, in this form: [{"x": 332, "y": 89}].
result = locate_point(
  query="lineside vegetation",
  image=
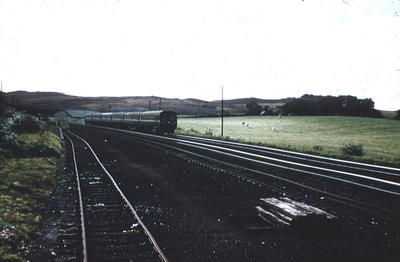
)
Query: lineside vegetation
[
  {"x": 29, "y": 157},
  {"x": 379, "y": 139}
]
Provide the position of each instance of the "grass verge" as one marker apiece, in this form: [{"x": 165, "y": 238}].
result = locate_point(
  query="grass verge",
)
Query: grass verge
[
  {"x": 27, "y": 175},
  {"x": 320, "y": 135}
]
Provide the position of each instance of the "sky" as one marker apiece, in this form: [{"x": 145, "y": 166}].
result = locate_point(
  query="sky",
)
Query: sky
[{"x": 190, "y": 49}]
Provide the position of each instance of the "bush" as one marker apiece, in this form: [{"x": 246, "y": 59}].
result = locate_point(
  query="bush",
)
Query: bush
[
  {"x": 19, "y": 122},
  {"x": 194, "y": 131},
  {"x": 209, "y": 132},
  {"x": 23, "y": 122},
  {"x": 319, "y": 148},
  {"x": 353, "y": 149},
  {"x": 6, "y": 133}
]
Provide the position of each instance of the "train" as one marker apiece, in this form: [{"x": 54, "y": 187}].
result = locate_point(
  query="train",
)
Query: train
[{"x": 160, "y": 121}]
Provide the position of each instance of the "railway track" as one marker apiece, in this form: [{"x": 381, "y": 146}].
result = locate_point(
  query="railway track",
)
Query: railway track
[
  {"x": 111, "y": 229},
  {"x": 370, "y": 188},
  {"x": 389, "y": 175}
]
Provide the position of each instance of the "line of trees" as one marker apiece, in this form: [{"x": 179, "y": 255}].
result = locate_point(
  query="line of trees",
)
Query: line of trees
[
  {"x": 253, "y": 108},
  {"x": 331, "y": 105},
  {"x": 320, "y": 105}
]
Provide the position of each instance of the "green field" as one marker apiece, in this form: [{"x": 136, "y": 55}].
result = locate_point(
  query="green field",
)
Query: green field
[{"x": 323, "y": 135}]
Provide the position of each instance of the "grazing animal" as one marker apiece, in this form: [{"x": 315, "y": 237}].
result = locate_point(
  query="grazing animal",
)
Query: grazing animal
[
  {"x": 273, "y": 129},
  {"x": 243, "y": 123},
  {"x": 247, "y": 125}
]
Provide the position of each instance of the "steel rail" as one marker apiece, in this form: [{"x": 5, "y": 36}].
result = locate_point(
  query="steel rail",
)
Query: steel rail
[
  {"x": 176, "y": 140},
  {"x": 83, "y": 228},
  {"x": 333, "y": 197},
  {"x": 133, "y": 211},
  {"x": 266, "y": 150},
  {"x": 295, "y": 169},
  {"x": 291, "y": 152},
  {"x": 294, "y": 163}
]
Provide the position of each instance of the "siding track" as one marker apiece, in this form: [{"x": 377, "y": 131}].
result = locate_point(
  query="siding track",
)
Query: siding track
[{"x": 111, "y": 228}]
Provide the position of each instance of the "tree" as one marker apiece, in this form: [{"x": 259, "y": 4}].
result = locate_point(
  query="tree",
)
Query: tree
[
  {"x": 398, "y": 115},
  {"x": 330, "y": 105},
  {"x": 253, "y": 108},
  {"x": 300, "y": 107},
  {"x": 267, "y": 110}
]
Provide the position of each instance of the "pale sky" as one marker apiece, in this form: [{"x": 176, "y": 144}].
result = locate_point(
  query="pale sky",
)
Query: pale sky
[{"x": 265, "y": 49}]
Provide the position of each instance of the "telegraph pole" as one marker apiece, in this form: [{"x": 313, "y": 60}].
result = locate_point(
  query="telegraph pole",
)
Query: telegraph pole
[{"x": 222, "y": 113}]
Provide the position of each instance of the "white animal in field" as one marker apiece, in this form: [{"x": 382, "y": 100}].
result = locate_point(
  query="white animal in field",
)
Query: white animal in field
[
  {"x": 247, "y": 125},
  {"x": 280, "y": 116},
  {"x": 273, "y": 129}
]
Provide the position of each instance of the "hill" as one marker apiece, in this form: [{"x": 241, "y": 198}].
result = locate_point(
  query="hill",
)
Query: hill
[{"x": 52, "y": 101}]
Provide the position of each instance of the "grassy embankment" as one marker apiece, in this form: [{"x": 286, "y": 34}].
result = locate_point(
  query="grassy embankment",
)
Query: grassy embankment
[
  {"x": 27, "y": 175},
  {"x": 323, "y": 135}
]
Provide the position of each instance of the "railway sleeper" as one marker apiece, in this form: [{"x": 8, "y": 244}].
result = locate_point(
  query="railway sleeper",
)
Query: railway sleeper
[
  {"x": 126, "y": 257},
  {"x": 107, "y": 211},
  {"x": 103, "y": 216},
  {"x": 127, "y": 247},
  {"x": 107, "y": 223},
  {"x": 143, "y": 249},
  {"x": 105, "y": 201},
  {"x": 99, "y": 189},
  {"x": 102, "y": 182},
  {"x": 102, "y": 194},
  {"x": 113, "y": 229},
  {"x": 99, "y": 205},
  {"x": 121, "y": 227},
  {"x": 72, "y": 249},
  {"x": 68, "y": 245},
  {"x": 114, "y": 241},
  {"x": 66, "y": 258},
  {"x": 129, "y": 243},
  {"x": 113, "y": 234}
]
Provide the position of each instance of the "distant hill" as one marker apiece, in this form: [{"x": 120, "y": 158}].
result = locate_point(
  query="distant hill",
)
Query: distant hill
[
  {"x": 52, "y": 101},
  {"x": 388, "y": 114}
]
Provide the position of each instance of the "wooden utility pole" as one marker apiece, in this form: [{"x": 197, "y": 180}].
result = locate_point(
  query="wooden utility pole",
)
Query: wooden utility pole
[
  {"x": 1, "y": 86},
  {"x": 222, "y": 113},
  {"x": 159, "y": 105}
]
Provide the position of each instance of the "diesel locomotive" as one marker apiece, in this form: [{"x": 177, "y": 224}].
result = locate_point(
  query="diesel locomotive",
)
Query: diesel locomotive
[{"x": 160, "y": 121}]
